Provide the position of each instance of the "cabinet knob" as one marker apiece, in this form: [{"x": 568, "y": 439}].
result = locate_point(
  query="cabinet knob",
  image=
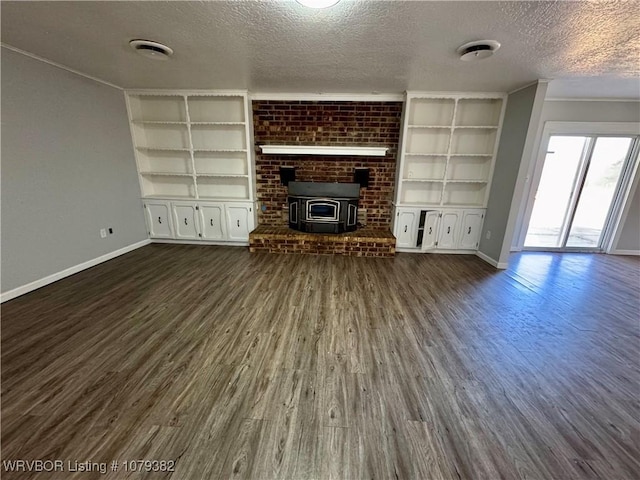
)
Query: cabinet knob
[
  {"x": 211, "y": 220},
  {"x": 448, "y": 229},
  {"x": 238, "y": 222},
  {"x": 429, "y": 230},
  {"x": 185, "y": 221},
  {"x": 469, "y": 231},
  {"x": 405, "y": 229},
  {"x": 159, "y": 219}
]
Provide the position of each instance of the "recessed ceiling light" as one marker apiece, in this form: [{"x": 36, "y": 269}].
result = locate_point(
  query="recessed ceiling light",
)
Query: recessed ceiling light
[
  {"x": 318, "y": 3},
  {"x": 149, "y": 49},
  {"x": 477, "y": 50}
]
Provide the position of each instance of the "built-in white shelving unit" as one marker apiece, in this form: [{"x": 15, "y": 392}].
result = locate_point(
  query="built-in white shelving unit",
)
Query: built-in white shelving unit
[
  {"x": 447, "y": 154},
  {"x": 448, "y": 149},
  {"x": 193, "y": 146}
]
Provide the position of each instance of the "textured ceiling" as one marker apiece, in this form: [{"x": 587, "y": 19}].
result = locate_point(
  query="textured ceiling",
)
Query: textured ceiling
[{"x": 592, "y": 48}]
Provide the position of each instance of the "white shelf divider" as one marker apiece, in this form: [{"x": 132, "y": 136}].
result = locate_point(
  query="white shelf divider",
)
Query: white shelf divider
[{"x": 166, "y": 174}]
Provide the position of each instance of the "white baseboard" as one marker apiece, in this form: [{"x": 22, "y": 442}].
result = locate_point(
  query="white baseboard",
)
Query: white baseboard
[
  {"x": 224, "y": 243},
  {"x": 435, "y": 251},
  {"x": 29, "y": 287},
  {"x": 491, "y": 261},
  {"x": 625, "y": 252}
]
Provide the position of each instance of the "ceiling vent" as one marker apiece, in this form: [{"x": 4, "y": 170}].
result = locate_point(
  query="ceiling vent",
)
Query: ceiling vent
[
  {"x": 477, "y": 50},
  {"x": 149, "y": 49},
  {"x": 318, "y": 3}
]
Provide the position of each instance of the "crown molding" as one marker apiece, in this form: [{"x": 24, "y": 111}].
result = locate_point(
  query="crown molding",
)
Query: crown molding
[
  {"x": 590, "y": 99},
  {"x": 329, "y": 97},
  {"x": 58, "y": 65},
  {"x": 536, "y": 82}
]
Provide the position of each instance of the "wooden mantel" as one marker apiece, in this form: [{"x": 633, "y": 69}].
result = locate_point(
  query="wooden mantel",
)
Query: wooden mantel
[{"x": 323, "y": 150}]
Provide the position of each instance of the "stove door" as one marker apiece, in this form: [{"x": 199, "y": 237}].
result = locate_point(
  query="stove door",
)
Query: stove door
[{"x": 323, "y": 210}]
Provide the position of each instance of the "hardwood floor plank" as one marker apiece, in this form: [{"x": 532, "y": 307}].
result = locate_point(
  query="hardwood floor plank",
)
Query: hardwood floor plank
[
  {"x": 277, "y": 447},
  {"x": 334, "y": 399},
  {"x": 243, "y": 450},
  {"x": 336, "y": 454}
]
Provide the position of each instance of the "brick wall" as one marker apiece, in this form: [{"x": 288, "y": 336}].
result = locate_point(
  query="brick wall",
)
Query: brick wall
[{"x": 327, "y": 123}]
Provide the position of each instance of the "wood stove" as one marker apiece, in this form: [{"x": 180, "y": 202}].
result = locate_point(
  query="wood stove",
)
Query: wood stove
[{"x": 323, "y": 207}]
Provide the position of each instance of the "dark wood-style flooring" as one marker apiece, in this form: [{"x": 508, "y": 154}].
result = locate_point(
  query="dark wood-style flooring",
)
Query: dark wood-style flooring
[{"x": 239, "y": 365}]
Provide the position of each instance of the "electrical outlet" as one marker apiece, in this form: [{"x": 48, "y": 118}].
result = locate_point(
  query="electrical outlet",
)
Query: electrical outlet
[
  {"x": 110, "y": 231},
  {"x": 488, "y": 235},
  {"x": 103, "y": 233}
]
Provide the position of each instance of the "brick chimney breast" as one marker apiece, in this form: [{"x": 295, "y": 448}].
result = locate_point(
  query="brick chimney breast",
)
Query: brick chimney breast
[{"x": 334, "y": 123}]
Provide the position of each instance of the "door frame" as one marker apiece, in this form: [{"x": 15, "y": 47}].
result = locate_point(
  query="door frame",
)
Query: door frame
[{"x": 620, "y": 204}]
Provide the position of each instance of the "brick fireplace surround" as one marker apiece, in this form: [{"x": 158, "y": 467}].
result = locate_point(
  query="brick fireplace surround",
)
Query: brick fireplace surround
[
  {"x": 327, "y": 123},
  {"x": 335, "y": 123}
]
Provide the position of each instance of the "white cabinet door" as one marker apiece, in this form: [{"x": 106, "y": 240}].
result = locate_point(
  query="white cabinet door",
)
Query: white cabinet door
[
  {"x": 185, "y": 218},
  {"x": 430, "y": 232},
  {"x": 212, "y": 220},
  {"x": 406, "y": 228},
  {"x": 470, "y": 231},
  {"x": 239, "y": 222},
  {"x": 448, "y": 236},
  {"x": 158, "y": 215}
]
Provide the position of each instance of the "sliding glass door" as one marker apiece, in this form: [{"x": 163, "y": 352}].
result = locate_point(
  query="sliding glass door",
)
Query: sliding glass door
[{"x": 580, "y": 180}]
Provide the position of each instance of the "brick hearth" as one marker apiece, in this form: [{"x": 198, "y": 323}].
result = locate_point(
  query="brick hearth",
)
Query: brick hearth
[{"x": 365, "y": 242}]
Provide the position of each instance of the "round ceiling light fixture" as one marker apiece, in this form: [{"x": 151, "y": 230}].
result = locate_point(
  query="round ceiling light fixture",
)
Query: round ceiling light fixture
[
  {"x": 149, "y": 49},
  {"x": 318, "y": 3},
  {"x": 477, "y": 50}
]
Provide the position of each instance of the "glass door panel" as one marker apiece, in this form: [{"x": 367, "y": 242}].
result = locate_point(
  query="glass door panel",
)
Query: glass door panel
[
  {"x": 548, "y": 224},
  {"x": 597, "y": 193}
]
